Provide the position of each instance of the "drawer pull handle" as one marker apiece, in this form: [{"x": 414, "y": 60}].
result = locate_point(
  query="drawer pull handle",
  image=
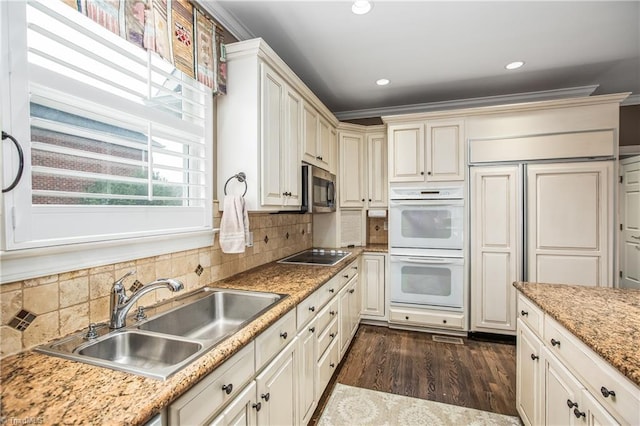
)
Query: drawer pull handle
[
  {"x": 332, "y": 335},
  {"x": 346, "y": 275},
  {"x": 571, "y": 404},
  {"x": 606, "y": 392},
  {"x": 312, "y": 308},
  {"x": 312, "y": 329},
  {"x": 257, "y": 406},
  {"x": 266, "y": 396},
  {"x": 352, "y": 290},
  {"x": 332, "y": 313},
  {"x": 635, "y": 237},
  {"x": 535, "y": 357},
  {"x": 524, "y": 313},
  {"x": 284, "y": 334},
  {"x": 331, "y": 290},
  {"x": 228, "y": 388},
  {"x": 555, "y": 342},
  {"x": 578, "y": 413},
  {"x": 332, "y": 365}
]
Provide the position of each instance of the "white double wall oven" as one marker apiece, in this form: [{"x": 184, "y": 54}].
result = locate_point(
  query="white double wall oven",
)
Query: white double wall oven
[{"x": 426, "y": 247}]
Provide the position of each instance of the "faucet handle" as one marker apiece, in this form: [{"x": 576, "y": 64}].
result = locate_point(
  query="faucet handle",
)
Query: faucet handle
[
  {"x": 91, "y": 332},
  {"x": 140, "y": 314},
  {"x": 121, "y": 279}
]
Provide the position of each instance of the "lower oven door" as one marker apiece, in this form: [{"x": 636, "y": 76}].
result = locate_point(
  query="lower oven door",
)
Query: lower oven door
[{"x": 423, "y": 280}]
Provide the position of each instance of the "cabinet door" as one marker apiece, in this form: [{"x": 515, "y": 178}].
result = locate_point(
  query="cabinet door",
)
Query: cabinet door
[
  {"x": 528, "y": 381},
  {"x": 308, "y": 358},
  {"x": 324, "y": 145},
  {"x": 373, "y": 284},
  {"x": 495, "y": 247},
  {"x": 445, "y": 150},
  {"x": 570, "y": 223},
  {"x": 562, "y": 393},
  {"x": 310, "y": 134},
  {"x": 272, "y": 132},
  {"x": 277, "y": 389},
  {"x": 242, "y": 411},
  {"x": 377, "y": 166},
  {"x": 406, "y": 153},
  {"x": 344, "y": 324},
  {"x": 290, "y": 151},
  {"x": 630, "y": 225},
  {"x": 351, "y": 191},
  {"x": 594, "y": 413}
]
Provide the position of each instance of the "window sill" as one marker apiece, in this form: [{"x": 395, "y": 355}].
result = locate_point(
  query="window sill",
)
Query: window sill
[{"x": 31, "y": 263}]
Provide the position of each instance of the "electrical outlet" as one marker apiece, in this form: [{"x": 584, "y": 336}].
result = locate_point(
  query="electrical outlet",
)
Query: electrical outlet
[
  {"x": 385, "y": 226},
  {"x": 250, "y": 240},
  {"x": 308, "y": 228}
]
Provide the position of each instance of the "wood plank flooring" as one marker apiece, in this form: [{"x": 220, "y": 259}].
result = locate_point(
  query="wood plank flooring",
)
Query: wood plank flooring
[{"x": 480, "y": 375}]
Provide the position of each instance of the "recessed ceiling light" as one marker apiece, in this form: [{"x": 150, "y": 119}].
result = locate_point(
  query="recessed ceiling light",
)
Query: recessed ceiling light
[
  {"x": 514, "y": 65},
  {"x": 382, "y": 82},
  {"x": 360, "y": 7}
]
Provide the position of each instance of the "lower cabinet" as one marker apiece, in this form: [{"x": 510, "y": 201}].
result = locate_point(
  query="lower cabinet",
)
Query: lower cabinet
[
  {"x": 243, "y": 411},
  {"x": 561, "y": 381},
  {"x": 373, "y": 285},
  {"x": 307, "y": 368},
  {"x": 277, "y": 388},
  {"x": 350, "y": 303}
]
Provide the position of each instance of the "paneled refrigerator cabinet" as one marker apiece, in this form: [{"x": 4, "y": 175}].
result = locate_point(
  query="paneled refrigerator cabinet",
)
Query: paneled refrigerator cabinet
[{"x": 546, "y": 222}]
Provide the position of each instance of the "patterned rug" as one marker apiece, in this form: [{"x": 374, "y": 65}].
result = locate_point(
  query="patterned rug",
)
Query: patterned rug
[{"x": 349, "y": 406}]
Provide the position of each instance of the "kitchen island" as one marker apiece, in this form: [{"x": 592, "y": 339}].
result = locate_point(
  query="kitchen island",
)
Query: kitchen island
[
  {"x": 42, "y": 389},
  {"x": 581, "y": 343}
]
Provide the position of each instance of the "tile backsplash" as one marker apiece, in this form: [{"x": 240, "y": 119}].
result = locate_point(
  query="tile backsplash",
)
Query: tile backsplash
[
  {"x": 41, "y": 309},
  {"x": 376, "y": 230}
]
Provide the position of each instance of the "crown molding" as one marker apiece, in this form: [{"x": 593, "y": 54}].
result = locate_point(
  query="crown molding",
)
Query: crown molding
[
  {"x": 226, "y": 19},
  {"x": 631, "y": 100},
  {"x": 570, "y": 92}
]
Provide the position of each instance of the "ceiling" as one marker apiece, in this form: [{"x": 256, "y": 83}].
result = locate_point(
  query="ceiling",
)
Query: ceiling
[{"x": 438, "y": 51}]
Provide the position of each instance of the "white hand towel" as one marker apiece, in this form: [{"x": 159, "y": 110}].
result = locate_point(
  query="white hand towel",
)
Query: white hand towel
[{"x": 234, "y": 225}]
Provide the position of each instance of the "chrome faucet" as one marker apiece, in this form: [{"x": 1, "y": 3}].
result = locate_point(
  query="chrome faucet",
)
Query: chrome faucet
[{"x": 121, "y": 303}]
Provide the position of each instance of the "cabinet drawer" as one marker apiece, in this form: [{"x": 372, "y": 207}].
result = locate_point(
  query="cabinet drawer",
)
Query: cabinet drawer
[
  {"x": 307, "y": 309},
  {"x": 202, "y": 401},
  {"x": 275, "y": 338},
  {"x": 347, "y": 273},
  {"x": 327, "y": 366},
  {"x": 328, "y": 336},
  {"x": 530, "y": 314},
  {"x": 326, "y": 315},
  {"x": 328, "y": 290},
  {"x": 437, "y": 319},
  {"x": 596, "y": 374}
]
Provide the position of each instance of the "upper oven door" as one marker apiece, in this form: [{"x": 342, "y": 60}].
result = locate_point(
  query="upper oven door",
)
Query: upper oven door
[{"x": 426, "y": 224}]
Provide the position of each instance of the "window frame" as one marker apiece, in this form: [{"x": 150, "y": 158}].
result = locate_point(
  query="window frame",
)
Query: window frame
[{"x": 31, "y": 258}]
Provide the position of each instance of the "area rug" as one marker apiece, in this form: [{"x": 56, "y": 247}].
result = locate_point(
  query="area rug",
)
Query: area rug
[{"x": 349, "y": 406}]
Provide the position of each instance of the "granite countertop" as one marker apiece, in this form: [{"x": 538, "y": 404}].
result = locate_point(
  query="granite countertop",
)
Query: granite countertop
[
  {"x": 605, "y": 319},
  {"x": 43, "y": 389},
  {"x": 376, "y": 248}
]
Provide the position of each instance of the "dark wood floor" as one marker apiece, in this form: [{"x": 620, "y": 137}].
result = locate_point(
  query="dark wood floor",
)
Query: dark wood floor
[{"x": 477, "y": 374}]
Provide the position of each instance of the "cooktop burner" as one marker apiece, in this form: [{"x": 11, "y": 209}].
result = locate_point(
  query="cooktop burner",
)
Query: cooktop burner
[{"x": 323, "y": 257}]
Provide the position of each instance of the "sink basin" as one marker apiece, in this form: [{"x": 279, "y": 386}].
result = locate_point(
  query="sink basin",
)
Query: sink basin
[
  {"x": 138, "y": 350},
  {"x": 214, "y": 316},
  {"x": 164, "y": 344}
]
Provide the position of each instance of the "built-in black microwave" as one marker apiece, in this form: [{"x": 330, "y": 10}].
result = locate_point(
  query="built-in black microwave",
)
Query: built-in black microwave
[{"x": 318, "y": 190}]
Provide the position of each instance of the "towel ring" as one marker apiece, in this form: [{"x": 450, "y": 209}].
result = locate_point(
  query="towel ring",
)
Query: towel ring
[{"x": 242, "y": 177}]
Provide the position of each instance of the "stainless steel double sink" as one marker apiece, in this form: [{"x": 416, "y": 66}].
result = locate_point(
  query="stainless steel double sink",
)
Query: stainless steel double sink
[{"x": 166, "y": 343}]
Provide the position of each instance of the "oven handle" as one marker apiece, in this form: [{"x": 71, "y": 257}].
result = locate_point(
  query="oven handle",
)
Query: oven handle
[
  {"x": 426, "y": 261},
  {"x": 447, "y": 202}
]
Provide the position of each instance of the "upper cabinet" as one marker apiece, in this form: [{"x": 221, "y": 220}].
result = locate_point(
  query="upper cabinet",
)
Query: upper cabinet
[
  {"x": 363, "y": 167},
  {"x": 267, "y": 123},
  {"x": 427, "y": 151}
]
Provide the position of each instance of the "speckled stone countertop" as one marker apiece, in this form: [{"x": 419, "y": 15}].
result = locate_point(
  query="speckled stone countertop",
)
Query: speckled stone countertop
[
  {"x": 376, "y": 248},
  {"x": 42, "y": 389},
  {"x": 605, "y": 319}
]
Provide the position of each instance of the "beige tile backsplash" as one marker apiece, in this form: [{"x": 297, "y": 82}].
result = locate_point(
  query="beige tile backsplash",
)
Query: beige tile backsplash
[
  {"x": 68, "y": 302},
  {"x": 376, "y": 234}
]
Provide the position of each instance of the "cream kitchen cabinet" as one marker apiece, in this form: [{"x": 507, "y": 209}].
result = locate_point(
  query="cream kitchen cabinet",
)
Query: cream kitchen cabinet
[
  {"x": 352, "y": 170},
  {"x": 307, "y": 369},
  {"x": 350, "y": 302},
  {"x": 277, "y": 389},
  {"x": 319, "y": 140},
  {"x": 373, "y": 285},
  {"x": 629, "y": 240},
  {"x": 560, "y": 380},
  {"x": 376, "y": 171},
  {"x": 427, "y": 151},
  {"x": 243, "y": 411}
]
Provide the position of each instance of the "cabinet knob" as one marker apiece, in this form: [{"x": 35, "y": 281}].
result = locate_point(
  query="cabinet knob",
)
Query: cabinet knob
[
  {"x": 369, "y": 199},
  {"x": 227, "y": 388},
  {"x": 606, "y": 392},
  {"x": 312, "y": 329},
  {"x": 363, "y": 200},
  {"x": 284, "y": 334},
  {"x": 266, "y": 396},
  {"x": 555, "y": 342},
  {"x": 312, "y": 308},
  {"x": 332, "y": 365},
  {"x": 352, "y": 290},
  {"x": 422, "y": 173},
  {"x": 429, "y": 173},
  {"x": 571, "y": 404},
  {"x": 332, "y": 335},
  {"x": 332, "y": 313},
  {"x": 535, "y": 357},
  {"x": 444, "y": 321},
  {"x": 524, "y": 313},
  {"x": 406, "y": 318},
  {"x": 346, "y": 276},
  {"x": 331, "y": 290},
  {"x": 257, "y": 406},
  {"x": 578, "y": 413}
]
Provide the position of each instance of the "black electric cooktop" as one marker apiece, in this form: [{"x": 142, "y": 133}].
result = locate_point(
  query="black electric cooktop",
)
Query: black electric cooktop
[{"x": 316, "y": 256}]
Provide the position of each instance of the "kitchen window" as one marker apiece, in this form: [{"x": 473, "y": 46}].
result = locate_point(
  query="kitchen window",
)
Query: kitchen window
[{"x": 117, "y": 142}]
